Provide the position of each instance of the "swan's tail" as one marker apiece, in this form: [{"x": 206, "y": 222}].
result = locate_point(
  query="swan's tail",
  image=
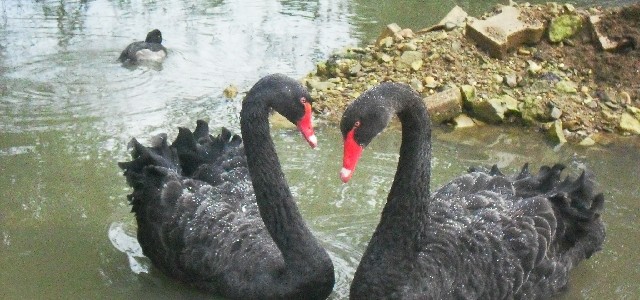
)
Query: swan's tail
[
  {"x": 194, "y": 154},
  {"x": 576, "y": 205},
  {"x": 578, "y": 208},
  {"x": 566, "y": 223}
]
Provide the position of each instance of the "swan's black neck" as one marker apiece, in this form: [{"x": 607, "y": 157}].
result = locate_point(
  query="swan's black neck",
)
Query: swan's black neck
[
  {"x": 407, "y": 203},
  {"x": 275, "y": 202}
]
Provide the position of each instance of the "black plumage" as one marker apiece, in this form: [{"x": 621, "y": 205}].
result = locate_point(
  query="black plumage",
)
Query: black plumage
[
  {"x": 151, "y": 49},
  {"x": 217, "y": 213},
  {"x": 483, "y": 235}
]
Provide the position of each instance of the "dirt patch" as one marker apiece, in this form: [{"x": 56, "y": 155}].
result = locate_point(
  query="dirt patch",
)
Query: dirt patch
[
  {"x": 619, "y": 68},
  {"x": 575, "y": 81}
]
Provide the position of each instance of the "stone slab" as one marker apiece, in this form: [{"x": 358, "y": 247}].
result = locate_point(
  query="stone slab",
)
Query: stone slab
[{"x": 503, "y": 32}]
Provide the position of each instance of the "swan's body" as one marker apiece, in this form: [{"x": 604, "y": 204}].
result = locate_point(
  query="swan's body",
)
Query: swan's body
[
  {"x": 481, "y": 236},
  {"x": 226, "y": 222},
  {"x": 150, "y": 50}
]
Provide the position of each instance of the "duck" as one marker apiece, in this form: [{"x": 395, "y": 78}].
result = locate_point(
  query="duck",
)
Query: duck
[
  {"x": 149, "y": 50},
  {"x": 217, "y": 213},
  {"x": 482, "y": 235}
]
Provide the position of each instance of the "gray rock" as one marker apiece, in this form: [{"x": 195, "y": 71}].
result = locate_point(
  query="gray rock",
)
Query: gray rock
[
  {"x": 445, "y": 105},
  {"x": 566, "y": 86},
  {"x": 629, "y": 124},
  {"x": 511, "y": 80},
  {"x": 409, "y": 59},
  {"x": 556, "y": 113},
  {"x": 455, "y": 18},
  {"x": 556, "y": 133},
  {"x": 494, "y": 110},
  {"x": 463, "y": 121},
  {"x": 504, "y": 31}
]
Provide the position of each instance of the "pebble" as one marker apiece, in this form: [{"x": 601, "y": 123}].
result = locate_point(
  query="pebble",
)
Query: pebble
[
  {"x": 430, "y": 82},
  {"x": 511, "y": 80},
  {"x": 416, "y": 85},
  {"x": 588, "y": 141},
  {"x": 534, "y": 67},
  {"x": 556, "y": 113},
  {"x": 523, "y": 51}
]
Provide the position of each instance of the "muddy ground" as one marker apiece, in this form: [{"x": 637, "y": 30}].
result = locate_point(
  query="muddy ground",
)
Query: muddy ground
[{"x": 597, "y": 87}]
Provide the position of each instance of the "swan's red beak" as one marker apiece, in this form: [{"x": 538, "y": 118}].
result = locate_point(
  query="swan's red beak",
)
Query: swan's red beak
[
  {"x": 305, "y": 126},
  {"x": 352, "y": 153}
]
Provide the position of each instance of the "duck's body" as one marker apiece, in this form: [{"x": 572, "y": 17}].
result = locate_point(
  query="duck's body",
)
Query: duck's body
[
  {"x": 481, "y": 236},
  {"x": 217, "y": 213},
  {"x": 149, "y": 50}
]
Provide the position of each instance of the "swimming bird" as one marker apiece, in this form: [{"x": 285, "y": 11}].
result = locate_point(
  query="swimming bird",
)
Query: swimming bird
[
  {"x": 483, "y": 235},
  {"x": 217, "y": 212},
  {"x": 151, "y": 49}
]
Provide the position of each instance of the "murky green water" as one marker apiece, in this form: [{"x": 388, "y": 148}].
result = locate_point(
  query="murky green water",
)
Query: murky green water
[{"x": 67, "y": 110}]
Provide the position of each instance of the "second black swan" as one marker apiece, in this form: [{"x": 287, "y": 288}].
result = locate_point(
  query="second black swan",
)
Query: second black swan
[
  {"x": 483, "y": 235},
  {"x": 217, "y": 213}
]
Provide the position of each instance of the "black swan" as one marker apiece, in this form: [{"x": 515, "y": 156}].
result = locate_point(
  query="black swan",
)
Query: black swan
[
  {"x": 217, "y": 213},
  {"x": 483, "y": 235},
  {"x": 150, "y": 50}
]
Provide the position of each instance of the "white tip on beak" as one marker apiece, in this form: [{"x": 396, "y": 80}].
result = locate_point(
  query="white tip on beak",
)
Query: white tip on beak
[
  {"x": 345, "y": 174},
  {"x": 313, "y": 141}
]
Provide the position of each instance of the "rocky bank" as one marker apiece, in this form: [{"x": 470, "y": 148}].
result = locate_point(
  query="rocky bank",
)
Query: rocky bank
[{"x": 571, "y": 72}]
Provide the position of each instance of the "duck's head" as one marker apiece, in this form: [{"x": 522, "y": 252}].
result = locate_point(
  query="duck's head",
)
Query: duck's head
[{"x": 154, "y": 36}]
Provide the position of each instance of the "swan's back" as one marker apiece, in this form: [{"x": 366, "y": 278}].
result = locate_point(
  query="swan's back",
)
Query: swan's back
[
  {"x": 493, "y": 237},
  {"x": 196, "y": 210}
]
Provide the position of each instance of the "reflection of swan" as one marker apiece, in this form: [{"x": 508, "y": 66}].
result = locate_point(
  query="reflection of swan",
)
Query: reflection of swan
[
  {"x": 150, "y": 49},
  {"x": 127, "y": 245},
  {"x": 210, "y": 216},
  {"x": 481, "y": 236}
]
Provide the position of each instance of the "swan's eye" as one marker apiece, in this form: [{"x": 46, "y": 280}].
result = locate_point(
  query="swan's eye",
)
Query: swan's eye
[
  {"x": 356, "y": 124},
  {"x": 303, "y": 100}
]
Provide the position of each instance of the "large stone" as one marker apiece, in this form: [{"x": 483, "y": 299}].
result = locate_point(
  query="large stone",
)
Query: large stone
[
  {"x": 468, "y": 95},
  {"x": 494, "y": 110},
  {"x": 456, "y": 17},
  {"x": 566, "y": 86},
  {"x": 392, "y": 30},
  {"x": 556, "y": 133},
  {"x": 445, "y": 105},
  {"x": 563, "y": 27},
  {"x": 603, "y": 41},
  {"x": 629, "y": 124},
  {"x": 534, "y": 111},
  {"x": 505, "y": 31},
  {"x": 463, "y": 121},
  {"x": 409, "y": 59}
]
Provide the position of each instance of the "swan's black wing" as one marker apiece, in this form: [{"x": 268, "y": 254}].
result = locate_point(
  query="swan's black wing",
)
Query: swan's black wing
[
  {"x": 494, "y": 236},
  {"x": 203, "y": 227}
]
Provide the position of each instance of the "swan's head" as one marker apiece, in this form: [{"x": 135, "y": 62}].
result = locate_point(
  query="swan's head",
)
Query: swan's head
[
  {"x": 154, "y": 36},
  {"x": 362, "y": 121},
  {"x": 289, "y": 98}
]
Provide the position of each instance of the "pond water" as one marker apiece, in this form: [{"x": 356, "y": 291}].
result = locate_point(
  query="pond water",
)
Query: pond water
[{"x": 68, "y": 109}]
